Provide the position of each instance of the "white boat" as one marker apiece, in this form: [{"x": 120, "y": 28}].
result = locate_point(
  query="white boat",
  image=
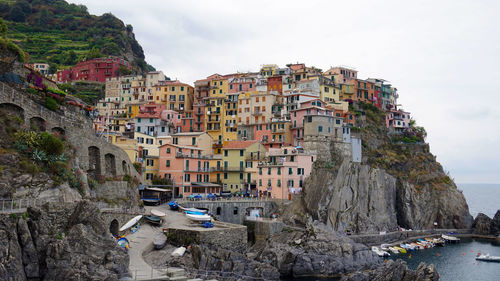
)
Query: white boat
[
  {"x": 385, "y": 247},
  {"x": 179, "y": 252},
  {"x": 380, "y": 252},
  {"x": 487, "y": 257},
  {"x": 394, "y": 250},
  {"x": 158, "y": 213},
  {"x": 199, "y": 217},
  {"x": 451, "y": 239},
  {"x": 131, "y": 222},
  {"x": 193, "y": 210}
]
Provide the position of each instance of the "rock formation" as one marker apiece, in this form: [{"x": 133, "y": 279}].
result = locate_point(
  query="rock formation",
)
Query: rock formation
[
  {"x": 318, "y": 251},
  {"x": 59, "y": 243},
  {"x": 396, "y": 271},
  {"x": 484, "y": 225}
]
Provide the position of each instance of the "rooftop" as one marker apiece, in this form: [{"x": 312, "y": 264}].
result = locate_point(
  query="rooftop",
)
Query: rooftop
[{"x": 239, "y": 144}]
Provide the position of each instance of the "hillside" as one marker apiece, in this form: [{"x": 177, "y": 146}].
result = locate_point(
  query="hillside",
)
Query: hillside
[{"x": 62, "y": 34}]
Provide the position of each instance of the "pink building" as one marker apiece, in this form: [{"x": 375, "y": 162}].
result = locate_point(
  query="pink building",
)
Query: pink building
[
  {"x": 310, "y": 107},
  {"x": 188, "y": 168},
  {"x": 241, "y": 84},
  {"x": 284, "y": 172},
  {"x": 398, "y": 120}
]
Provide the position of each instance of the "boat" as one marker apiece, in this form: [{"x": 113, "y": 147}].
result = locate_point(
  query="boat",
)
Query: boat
[
  {"x": 154, "y": 220},
  {"x": 406, "y": 246},
  {"x": 160, "y": 241},
  {"x": 417, "y": 246},
  {"x": 487, "y": 257},
  {"x": 203, "y": 217},
  {"x": 393, "y": 250},
  {"x": 195, "y": 210},
  {"x": 173, "y": 206},
  {"x": 151, "y": 201},
  {"x": 179, "y": 252},
  {"x": 131, "y": 222},
  {"x": 379, "y": 252},
  {"x": 124, "y": 243},
  {"x": 195, "y": 213},
  {"x": 208, "y": 224},
  {"x": 401, "y": 250},
  {"x": 385, "y": 247},
  {"x": 450, "y": 239},
  {"x": 158, "y": 213}
]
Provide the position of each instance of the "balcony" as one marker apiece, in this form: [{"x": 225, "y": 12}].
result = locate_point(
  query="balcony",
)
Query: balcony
[
  {"x": 217, "y": 145},
  {"x": 195, "y": 156},
  {"x": 216, "y": 169},
  {"x": 233, "y": 169},
  {"x": 199, "y": 113},
  {"x": 196, "y": 170},
  {"x": 257, "y": 113}
]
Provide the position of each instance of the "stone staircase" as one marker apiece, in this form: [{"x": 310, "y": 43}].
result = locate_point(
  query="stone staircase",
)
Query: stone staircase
[{"x": 173, "y": 274}]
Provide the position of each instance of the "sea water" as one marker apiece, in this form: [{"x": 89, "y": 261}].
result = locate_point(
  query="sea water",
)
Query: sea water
[
  {"x": 482, "y": 198},
  {"x": 456, "y": 262}
]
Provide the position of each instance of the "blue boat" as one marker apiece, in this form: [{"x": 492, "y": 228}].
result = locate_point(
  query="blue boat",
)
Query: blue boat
[
  {"x": 207, "y": 224},
  {"x": 173, "y": 206},
  {"x": 194, "y": 213}
]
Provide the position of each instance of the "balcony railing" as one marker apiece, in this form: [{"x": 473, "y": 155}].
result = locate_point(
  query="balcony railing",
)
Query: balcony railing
[
  {"x": 196, "y": 170},
  {"x": 196, "y": 156},
  {"x": 233, "y": 169}
]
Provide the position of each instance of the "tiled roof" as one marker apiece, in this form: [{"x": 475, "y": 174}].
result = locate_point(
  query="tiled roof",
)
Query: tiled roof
[{"x": 239, "y": 144}]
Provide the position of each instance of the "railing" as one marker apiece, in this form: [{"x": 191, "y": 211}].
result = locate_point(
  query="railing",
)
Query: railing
[
  {"x": 17, "y": 205},
  {"x": 196, "y": 156},
  {"x": 201, "y": 170}
]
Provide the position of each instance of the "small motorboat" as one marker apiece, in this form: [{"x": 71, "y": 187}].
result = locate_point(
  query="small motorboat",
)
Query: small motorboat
[
  {"x": 401, "y": 250},
  {"x": 195, "y": 213},
  {"x": 407, "y": 247},
  {"x": 158, "y": 213},
  {"x": 130, "y": 223},
  {"x": 154, "y": 220},
  {"x": 203, "y": 217},
  {"x": 208, "y": 224},
  {"x": 195, "y": 210},
  {"x": 417, "y": 246},
  {"x": 379, "y": 252},
  {"x": 173, "y": 205},
  {"x": 385, "y": 247},
  {"x": 160, "y": 241},
  {"x": 487, "y": 257},
  {"x": 450, "y": 239}
]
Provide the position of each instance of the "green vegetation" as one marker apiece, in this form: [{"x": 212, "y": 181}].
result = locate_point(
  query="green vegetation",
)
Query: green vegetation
[
  {"x": 161, "y": 181},
  {"x": 62, "y": 34},
  {"x": 88, "y": 92},
  {"x": 51, "y": 104}
]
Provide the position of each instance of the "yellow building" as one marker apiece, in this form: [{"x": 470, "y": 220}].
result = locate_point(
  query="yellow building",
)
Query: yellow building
[
  {"x": 175, "y": 95},
  {"x": 238, "y": 164},
  {"x": 129, "y": 146},
  {"x": 215, "y": 165},
  {"x": 149, "y": 153},
  {"x": 268, "y": 70},
  {"x": 133, "y": 110}
]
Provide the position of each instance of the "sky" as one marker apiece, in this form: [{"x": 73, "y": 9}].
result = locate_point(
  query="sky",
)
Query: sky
[{"x": 443, "y": 56}]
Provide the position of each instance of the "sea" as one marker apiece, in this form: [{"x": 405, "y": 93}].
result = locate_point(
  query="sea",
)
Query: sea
[{"x": 456, "y": 262}]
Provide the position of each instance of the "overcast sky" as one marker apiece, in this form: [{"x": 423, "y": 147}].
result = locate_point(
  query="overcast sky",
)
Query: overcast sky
[{"x": 443, "y": 56}]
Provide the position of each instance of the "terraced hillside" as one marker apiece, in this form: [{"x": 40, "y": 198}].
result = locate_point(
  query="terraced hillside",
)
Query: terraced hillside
[{"x": 61, "y": 34}]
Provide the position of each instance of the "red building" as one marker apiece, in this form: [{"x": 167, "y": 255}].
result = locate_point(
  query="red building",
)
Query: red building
[
  {"x": 275, "y": 83},
  {"x": 96, "y": 70}
]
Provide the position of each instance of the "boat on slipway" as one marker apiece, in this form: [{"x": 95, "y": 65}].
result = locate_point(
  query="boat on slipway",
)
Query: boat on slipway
[
  {"x": 130, "y": 223},
  {"x": 380, "y": 252},
  {"x": 160, "y": 241},
  {"x": 198, "y": 217},
  {"x": 158, "y": 213}
]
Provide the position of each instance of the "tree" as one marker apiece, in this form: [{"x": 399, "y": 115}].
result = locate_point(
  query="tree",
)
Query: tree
[
  {"x": 17, "y": 14},
  {"x": 94, "y": 53},
  {"x": 4, "y": 8},
  {"x": 44, "y": 17},
  {"x": 71, "y": 58},
  {"x": 123, "y": 70},
  {"x": 111, "y": 48},
  {"x": 25, "y": 7},
  {"x": 3, "y": 27}
]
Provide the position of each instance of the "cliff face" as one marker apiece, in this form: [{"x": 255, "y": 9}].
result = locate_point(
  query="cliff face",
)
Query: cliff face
[
  {"x": 396, "y": 184},
  {"x": 59, "y": 243}
]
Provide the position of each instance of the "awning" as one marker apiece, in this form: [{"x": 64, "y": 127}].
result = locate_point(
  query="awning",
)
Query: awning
[
  {"x": 158, "y": 189},
  {"x": 205, "y": 184}
]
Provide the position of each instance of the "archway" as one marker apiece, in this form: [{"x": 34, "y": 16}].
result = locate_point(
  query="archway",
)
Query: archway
[
  {"x": 125, "y": 168},
  {"x": 94, "y": 162},
  {"x": 59, "y": 131},
  {"x": 114, "y": 227},
  {"x": 12, "y": 109},
  {"x": 219, "y": 211},
  {"x": 37, "y": 124},
  {"x": 110, "y": 165}
]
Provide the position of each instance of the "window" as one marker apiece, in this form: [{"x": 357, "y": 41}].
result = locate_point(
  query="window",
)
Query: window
[
  {"x": 193, "y": 141},
  {"x": 290, "y": 171},
  {"x": 168, "y": 163},
  {"x": 187, "y": 177},
  {"x": 168, "y": 150},
  {"x": 225, "y": 176},
  {"x": 235, "y": 210},
  {"x": 225, "y": 153},
  {"x": 279, "y": 183},
  {"x": 260, "y": 171},
  {"x": 320, "y": 129},
  {"x": 279, "y": 170},
  {"x": 241, "y": 152},
  {"x": 269, "y": 182},
  {"x": 260, "y": 182},
  {"x": 241, "y": 176}
]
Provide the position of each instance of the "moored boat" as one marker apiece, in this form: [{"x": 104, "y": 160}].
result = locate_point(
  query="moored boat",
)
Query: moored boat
[
  {"x": 154, "y": 220},
  {"x": 401, "y": 250},
  {"x": 203, "y": 217},
  {"x": 393, "y": 250},
  {"x": 173, "y": 205},
  {"x": 379, "y": 252},
  {"x": 158, "y": 213},
  {"x": 160, "y": 241},
  {"x": 487, "y": 257},
  {"x": 130, "y": 223},
  {"x": 450, "y": 239}
]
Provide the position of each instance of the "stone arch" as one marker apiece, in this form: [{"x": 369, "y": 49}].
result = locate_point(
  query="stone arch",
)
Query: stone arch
[
  {"x": 110, "y": 165},
  {"x": 59, "y": 130},
  {"x": 114, "y": 227},
  {"x": 12, "y": 109},
  {"x": 94, "y": 162},
  {"x": 37, "y": 124},
  {"x": 219, "y": 211},
  {"x": 235, "y": 211},
  {"x": 125, "y": 168}
]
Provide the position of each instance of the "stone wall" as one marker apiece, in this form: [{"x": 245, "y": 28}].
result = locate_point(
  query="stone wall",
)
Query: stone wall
[
  {"x": 262, "y": 229},
  {"x": 226, "y": 236},
  {"x": 233, "y": 211}
]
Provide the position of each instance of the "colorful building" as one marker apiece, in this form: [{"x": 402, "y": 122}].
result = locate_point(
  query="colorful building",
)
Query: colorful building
[
  {"x": 397, "y": 120},
  {"x": 96, "y": 70},
  {"x": 174, "y": 94}
]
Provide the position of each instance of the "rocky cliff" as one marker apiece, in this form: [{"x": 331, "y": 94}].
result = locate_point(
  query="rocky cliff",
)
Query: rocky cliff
[
  {"x": 396, "y": 271},
  {"x": 59, "y": 243},
  {"x": 396, "y": 184},
  {"x": 484, "y": 225}
]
